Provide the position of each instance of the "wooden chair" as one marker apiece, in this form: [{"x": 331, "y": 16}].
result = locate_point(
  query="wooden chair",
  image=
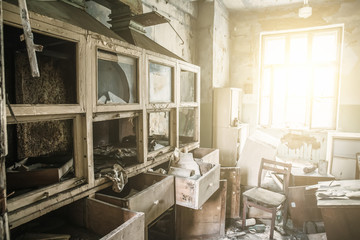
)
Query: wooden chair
[{"x": 265, "y": 199}]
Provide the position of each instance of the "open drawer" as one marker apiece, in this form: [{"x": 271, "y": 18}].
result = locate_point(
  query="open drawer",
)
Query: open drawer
[
  {"x": 193, "y": 193},
  {"x": 149, "y": 193},
  {"x": 86, "y": 218},
  {"x": 208, "y": 155}
]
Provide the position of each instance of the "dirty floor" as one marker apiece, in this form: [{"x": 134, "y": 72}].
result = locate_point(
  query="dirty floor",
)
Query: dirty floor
[{"x": 234, "y": 231}]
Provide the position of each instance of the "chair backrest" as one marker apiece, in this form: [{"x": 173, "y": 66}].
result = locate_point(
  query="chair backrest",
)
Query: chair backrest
[{"x": 277, "y": 168}]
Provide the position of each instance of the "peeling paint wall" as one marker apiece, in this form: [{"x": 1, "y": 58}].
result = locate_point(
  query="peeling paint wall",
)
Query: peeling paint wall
[
  {"x": 221, "y": 46},
  {"x": 244, "y": 63},
  {"x": 213, "y": 58},
  {"x": 182, "y": 15}
]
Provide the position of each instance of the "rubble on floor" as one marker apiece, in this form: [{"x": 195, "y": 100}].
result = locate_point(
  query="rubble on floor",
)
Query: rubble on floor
[{"x": 261, "y": 230}]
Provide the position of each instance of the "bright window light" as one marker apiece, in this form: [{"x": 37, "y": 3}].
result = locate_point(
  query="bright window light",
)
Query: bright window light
[{"x": 299, "y": 79}]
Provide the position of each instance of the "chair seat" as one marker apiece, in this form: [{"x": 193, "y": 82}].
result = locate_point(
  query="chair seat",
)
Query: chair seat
[{"x": 264, "y": 196}]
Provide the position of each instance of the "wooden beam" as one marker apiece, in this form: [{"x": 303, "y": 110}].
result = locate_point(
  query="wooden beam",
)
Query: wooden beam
[{"x": 29, "y": 38}]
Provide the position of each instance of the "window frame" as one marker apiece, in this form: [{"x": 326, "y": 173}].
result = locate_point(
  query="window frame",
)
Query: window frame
[{"x": 310, "y": 98}]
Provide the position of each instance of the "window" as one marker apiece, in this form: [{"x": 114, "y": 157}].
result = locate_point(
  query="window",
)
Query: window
[{"x": 299, "y": 78}]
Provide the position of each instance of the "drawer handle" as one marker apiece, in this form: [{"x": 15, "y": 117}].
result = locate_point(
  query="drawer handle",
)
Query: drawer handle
[
  {"x": 156, "y": 202},
  {"x": 211, "y": 184}
]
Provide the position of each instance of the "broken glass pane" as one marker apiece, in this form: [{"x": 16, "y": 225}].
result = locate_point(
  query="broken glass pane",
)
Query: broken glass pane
[
  {"x": 117, "y": 79},
  {"x": 187, "y": 86},
  {"x": 186, "y": 125},
  {"x": 159, "y": 130},
  {"x": 115, "y": 141},
  {"x": 160, "y": 83}
]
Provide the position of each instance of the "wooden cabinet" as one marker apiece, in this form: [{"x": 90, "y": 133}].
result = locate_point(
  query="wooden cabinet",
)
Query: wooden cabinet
[
  {"x": 229, "y": 134},
  {"x": 96, "y": 117}
]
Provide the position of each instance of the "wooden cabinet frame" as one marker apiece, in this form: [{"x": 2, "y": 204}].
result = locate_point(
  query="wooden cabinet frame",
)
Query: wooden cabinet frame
[{"x": 85, "y": 112}]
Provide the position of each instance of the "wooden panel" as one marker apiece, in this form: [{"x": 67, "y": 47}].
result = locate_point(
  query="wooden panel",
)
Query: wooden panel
[
  {"x": 193, "y": 193},
  {"x": 303, "y": 206},
  {"x": 341, "y": 223},
  {"x": 208, "y": 155},
  {"x": 113, "y": 221},
  {"x": 233, "y": 177},
  {"x": 153, "y": 198},
  {"x": 209, "y": 221}
]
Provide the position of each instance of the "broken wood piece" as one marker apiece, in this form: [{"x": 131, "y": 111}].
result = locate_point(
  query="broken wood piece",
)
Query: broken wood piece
[
  {"x": 29, "y": 39},
  {"x": 181, "y": 172}
]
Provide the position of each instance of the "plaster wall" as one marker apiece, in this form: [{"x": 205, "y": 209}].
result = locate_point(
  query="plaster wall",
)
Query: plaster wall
[
  {"x": 213, "y": 58},
  {"x": 180, "y": 36},
  {"x": 244, "y": 66}
]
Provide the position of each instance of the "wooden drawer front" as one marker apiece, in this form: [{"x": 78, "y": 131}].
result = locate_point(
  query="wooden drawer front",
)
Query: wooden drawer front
[
  {"x": 155, "y": 195},
  {"x": 208, "y": 155},
  {"x": 106, "y": 220},
  {"x": 193, "y": 193}
]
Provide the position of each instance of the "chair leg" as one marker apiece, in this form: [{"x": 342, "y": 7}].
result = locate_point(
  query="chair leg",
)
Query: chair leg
[
  {"x": 285, "y": 214},
  {"x": 244, "y": 213},
  {"x": 272, "y": 227}
]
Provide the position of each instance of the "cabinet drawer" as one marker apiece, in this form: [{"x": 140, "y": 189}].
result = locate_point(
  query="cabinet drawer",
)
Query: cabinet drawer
[
  {"x": 90, "y": 218},
  {"x": 208, "y": 155},
  {"x": 193, "y": 193},
  {"x": 149, "y": 193}
]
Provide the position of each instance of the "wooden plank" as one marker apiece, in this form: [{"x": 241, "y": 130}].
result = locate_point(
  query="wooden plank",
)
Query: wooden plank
[
  {"x": 233, "y": 177},
  {"x": 341, "y": 223},
  {"x": 208, "y": 155},
  {"x": 302, "y": 206},
  {"x": 44, "y": 109},
  {"x": 207, "y": 222},
  {"x": 102, "y": 218}
]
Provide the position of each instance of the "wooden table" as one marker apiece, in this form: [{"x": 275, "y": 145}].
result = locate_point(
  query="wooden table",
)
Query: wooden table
[
  {"x": 302, "y": 202},
  {"x": 341, "y": 216},
  {"x": 299, "y": 178}
]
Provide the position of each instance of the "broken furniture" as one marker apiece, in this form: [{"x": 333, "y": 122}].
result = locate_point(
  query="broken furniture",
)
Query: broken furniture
[
  {"x": 341, "y": 151},
  {"x": 194, "y": 192},
  {"x": 267, "y": 200},
  {"x": 302, "y": 201},
  {"x": 150, "y": 193},
  {"x": 136, "y": 124},
  {"x": 204, "y": 223},
  {"x": 87, "y": 218},
  {"x": 229, "y": 134},
  {"x": 339, "y": 202}
]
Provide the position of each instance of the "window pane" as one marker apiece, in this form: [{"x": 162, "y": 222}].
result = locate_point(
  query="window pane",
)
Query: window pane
[
  {"x": 323, "y": 113},
  {"x": 159, "y": 130},
  {"x": 160, "y": 83},
  {"x": 324, "y": 47},
  {"x": 296, "y": 112},
  {"x": 274, "y": 50},
  {"x": 324, "y": 82},
  {"x": 187, "y": 86},
  {"x": 186, "y": 125},
  {"x": 266, "y": 82},
  {"x": 279, "y": 94},
  {"x": 298, "y": 82},
  {"x": 298, "y": 49},
  {"x": 117, "y": 79},
  {"x": 264, "y": 110}
]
